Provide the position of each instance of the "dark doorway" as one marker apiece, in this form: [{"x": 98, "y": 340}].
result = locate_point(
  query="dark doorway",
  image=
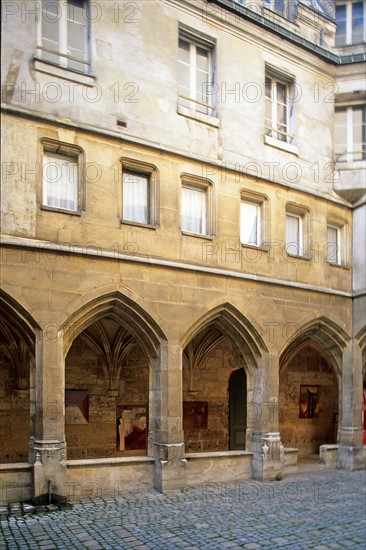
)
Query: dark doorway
[{"x": 237, "y": 410}]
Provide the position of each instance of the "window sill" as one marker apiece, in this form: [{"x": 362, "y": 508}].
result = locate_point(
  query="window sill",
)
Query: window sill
[
  {"x": 200, "y": 117},
  {"x": 342, "y": 266},
  {"x": 350, "y": 164},
  {"x": 288, "y": 147},
  {"x": 138, "y": 224},
  {"x": 61, "y": 210},
  {"x": 256, "y": 247},
  {"x": 305, "y": 257},
  {"x": 198, "y": 235},
  {"x": 62, "y": 72}
]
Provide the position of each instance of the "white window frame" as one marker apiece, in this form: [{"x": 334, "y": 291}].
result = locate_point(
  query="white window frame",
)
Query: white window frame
[
  {"x": 349, "y": 23},
  {"x": 60, "y": 56},
  {"x": 271, "y": 126},
  {"x": 130, "y": 168},
  {"x": 351, "y": 155},
  {"x": 71, "y": 159},
  {"x": 191, "y": 101}
]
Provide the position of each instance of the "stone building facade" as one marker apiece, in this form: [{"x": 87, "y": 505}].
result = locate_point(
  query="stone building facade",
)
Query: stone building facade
[{"x": 183, "y": 242}]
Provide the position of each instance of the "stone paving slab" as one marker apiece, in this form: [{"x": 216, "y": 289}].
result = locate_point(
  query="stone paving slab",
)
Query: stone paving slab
[{"x": 322, "y": 511}]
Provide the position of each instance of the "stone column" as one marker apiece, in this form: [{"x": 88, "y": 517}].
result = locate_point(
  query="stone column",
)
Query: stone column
[
  {"x": 350, "y": 449},
  {"x": 166, "y": 438},
  {"x": 49, "y": 448},
  {"x": 265, "y": 443}
]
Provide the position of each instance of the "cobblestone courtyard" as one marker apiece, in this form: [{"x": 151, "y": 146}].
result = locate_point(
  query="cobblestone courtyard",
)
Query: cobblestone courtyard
[{"x": 310, "y": 510}]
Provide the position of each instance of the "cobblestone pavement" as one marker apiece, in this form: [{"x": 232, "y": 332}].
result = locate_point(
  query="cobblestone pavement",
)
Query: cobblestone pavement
[{"x": 312, "y": 510}]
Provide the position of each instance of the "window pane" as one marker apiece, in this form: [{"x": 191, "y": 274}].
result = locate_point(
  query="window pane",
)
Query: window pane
[
  {"x": 268, "y": 105},
  {"x": 51, "y": 15},
  {"x": 249, "y": 223},
  {"x": 60, "y": 182},
  {"x": 333, "y": 245},
  {"x": 281, "y": 111},
  {"x": 135, "y": 197},
  {"x": 194, "y": 210},
  {"x": 359, "y": 133},
  {"x": 357, "y": 22},
  {"x": 341, "y": 25},
  {"x": 293, "y": 236},
  {"x": 279, "y": 6},
  {"x": 76, "y": 34},
  {"x": 183, "y": 51},
  {"x": 340, "y": 134},
  {"x": 194, "y": 75},
  {"x": 184, "y": 73}
]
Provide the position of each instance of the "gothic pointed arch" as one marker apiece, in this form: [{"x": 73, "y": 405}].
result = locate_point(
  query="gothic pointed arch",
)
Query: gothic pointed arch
[
  {"x": 324, "y": 336},
  {"x": 125, "y": 312},
  {"x": 361, "y": 341},
  {"x": 18, "y": 335},
  {"x": 226, "y": 321}
]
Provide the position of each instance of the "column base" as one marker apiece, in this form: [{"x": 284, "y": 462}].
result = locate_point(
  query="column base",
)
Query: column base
[
  {"x": 268, "y": 461},
  {"x": 351, "y": 458},
  {"x": 170, "y": 473},
  {"x": 49, "y": 472}
]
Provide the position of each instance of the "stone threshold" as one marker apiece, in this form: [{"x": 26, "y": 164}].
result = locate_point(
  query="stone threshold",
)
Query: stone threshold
[
  {"x": 15, "y": 466},
  {"x": 109, "y": 461},
  {"x": 216, "y": 454}
]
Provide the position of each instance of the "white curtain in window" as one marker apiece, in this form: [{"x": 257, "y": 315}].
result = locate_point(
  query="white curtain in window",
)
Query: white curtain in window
[
  {"x": 135, "y": 198},
  {"x": 194, "y": 210},
  {"x": 332, "y": 245},
  {"x": 293, "y": 234},
  {"x": 60, "y": 181},
  {"x": 249, "y": 223}
]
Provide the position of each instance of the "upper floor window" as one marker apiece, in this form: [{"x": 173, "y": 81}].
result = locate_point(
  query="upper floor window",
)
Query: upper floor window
[
  {"x": 62, "y": 177},
  {"x": 197, "y": 209},
  {"x": 196, "y": 74},
  {"x": 297, "y": 230},
  {"x": 294, "y": 234},
  {"x": 139, "y": 193},
  {"x": 333, "y": 244},
  {"x": 350, "y": 133},
  {"x": 136, "y": 197},
  {"x": 253, "y": 219},
  {"x": 278, "y": 6},
  {"x": 351, "y": 26},
  {"x": 336, "y": 248},
  {"x": 194, "y": 209},
  {"x": 250, "y": 223},
  {"x": 279, "y": 109},
  {"x": 64, "y": 34}
]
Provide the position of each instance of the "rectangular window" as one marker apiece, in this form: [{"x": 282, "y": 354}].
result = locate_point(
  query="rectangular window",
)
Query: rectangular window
[
  {"x": 64, "y": 34},
  {"x": 195, "y": 76},
  {"x": 350, "y": 133},
  {"x": 333, "y": 245},
  {"x": 279, "y": 108},
  {"x": 136, "y": 197},
  {"x": 250, "y": 223},
  {"x": 350, "y": 18},
  {"x": 294, "y": 236},
  {"x": 60, "y": 181},
  {"x": 194, "y": 209},
  {"x": 278, "y": 6}
]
